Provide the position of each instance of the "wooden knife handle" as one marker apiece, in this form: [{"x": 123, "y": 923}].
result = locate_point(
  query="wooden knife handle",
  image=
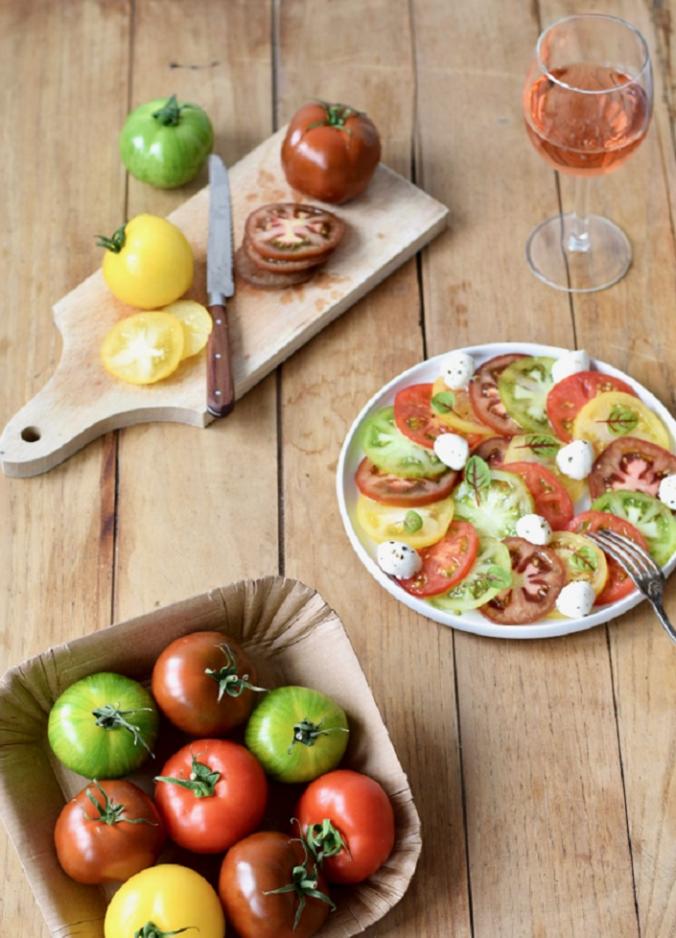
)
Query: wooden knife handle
[{"x": 220, "y": 387}]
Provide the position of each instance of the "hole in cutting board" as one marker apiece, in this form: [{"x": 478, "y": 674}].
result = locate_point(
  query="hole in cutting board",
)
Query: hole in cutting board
[{"x": 30, "y": 434}]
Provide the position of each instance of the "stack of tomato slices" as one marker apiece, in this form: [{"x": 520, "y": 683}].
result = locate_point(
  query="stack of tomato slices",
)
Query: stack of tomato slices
[{"x": 515, "y": 419}]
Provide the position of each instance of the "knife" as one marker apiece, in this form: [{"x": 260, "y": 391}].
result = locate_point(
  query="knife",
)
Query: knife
[{"x": 220, "y": 286}]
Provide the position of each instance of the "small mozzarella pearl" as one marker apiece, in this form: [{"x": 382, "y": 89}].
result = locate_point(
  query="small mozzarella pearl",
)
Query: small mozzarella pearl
[
  {"x": 576, "y": 599},
  {"x": 398, "y": 559},
  {"x": 569, "y": 364},
  {"x": 452, "y": 450},
  {"x": 576, "y": 459},
  {"x": 667, "y": 491},
  {"x": 534, "y": 528},
  {"x": 458, "y": 368}
]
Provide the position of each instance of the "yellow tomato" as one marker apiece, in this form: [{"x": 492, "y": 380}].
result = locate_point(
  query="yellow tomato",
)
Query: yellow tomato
[
  {"x": 542, "y": 448},
  {"x": 613, "y": 414},
  {"x": 169, "y": 896},
  {"x": 582, "y": 559},
  {"x": 148, "y": 262},
  {"x": 197, "y": 324},
  {"x": 418, "y": 527},
  {"x": 143, "y": 348},
  {"x": 461, "y": 418}
]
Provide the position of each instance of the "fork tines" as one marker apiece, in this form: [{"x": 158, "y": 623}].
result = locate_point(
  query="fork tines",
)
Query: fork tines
[{"x": 639, "y": 565}]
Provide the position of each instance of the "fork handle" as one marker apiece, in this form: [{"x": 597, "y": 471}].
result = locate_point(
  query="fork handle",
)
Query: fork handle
[{"x": 664, "y": 619}]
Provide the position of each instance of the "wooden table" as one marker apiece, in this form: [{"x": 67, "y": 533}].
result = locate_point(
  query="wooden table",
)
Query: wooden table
[{"x": 544, "y": 771}]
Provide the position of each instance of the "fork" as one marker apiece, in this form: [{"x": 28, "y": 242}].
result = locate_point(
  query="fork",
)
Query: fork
[{"x": 642, "y": 569}]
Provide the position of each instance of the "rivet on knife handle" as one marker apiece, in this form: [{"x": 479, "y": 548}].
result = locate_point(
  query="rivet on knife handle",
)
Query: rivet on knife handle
[{"x": 220, "y": 387}]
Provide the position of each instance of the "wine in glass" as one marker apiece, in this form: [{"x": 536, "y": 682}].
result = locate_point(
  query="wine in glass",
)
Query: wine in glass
[{"x": 587, "y": 103}]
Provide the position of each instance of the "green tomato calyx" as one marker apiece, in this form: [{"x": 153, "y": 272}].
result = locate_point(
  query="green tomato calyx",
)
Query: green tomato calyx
[
  {"x": 202, "y": 781},
  {"x": 336, "y": 116},
  {"x": 115, "y": 243},
  {"x": 151, "y": 930},
  {"x": 169, "y": 115},
  {"x": 308, "y": 733},
  {"x": 304, "y": 883},
  {"x": 228, "y": 680},
  {"x": 110, "y": 812},
  {"x": 324, "y": 840},
  {"x": 109, "y": 717}
]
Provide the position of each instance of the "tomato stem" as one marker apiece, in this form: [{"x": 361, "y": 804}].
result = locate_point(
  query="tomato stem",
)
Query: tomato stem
[
  {"x": 110, "y": 812},
  {"x": 115, "y": 243},
  {"x": 202, "y": 781},
  {"x": 307, "y": 732},
  {"x": 228, "y": 680},
  {"x": 304, "y": 884},
  {"x": 109, "y": 717},
  {"x": 151, "y": 930},
  {"x": 169, "y": 115},
  {"x": 324, "y": 840}
]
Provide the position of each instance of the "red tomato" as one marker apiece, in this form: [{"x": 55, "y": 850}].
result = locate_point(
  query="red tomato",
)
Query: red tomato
[
  {"x": 330, "y": 151},
  {"x": 485, "y": 396},
  {"x": 492, "y": 450},
  {"x": 446, "y": 562},
  {"x": 252, "y": 885},
  {"x": 537, "y": 577},
  {"x": 390, "y": 489},
  {"x": 293, "y": 231},
  {"x": 414, "y": 416},
  {"x": 204, "y": 683},
  {"x": 360, "y": 826},
  {"x": 631, "y": 465},
  {"x": 569, "y": 396},
  {"x": 618, "y": 585},
  {"x": 211, "y": 793},
  {"x": 552, "y": 501},
  {"x": 108, "y": 832}
]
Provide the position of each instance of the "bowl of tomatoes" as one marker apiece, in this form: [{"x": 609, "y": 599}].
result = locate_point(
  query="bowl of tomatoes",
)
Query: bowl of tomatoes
[{"x": 197, "y": 768}]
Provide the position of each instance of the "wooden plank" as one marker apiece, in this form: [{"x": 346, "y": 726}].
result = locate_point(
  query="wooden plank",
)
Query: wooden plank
[
  {"x": 547, "y": 837},
  {"x": 199, "y": 509},
  {"x": 633, "y": 326},
  {"x": 362, "y": 54},
  {"x": 56, "y": 536}
]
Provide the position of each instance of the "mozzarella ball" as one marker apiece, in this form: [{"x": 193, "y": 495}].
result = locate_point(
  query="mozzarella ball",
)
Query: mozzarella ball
[
  {"x": 569, "y": 364},
  {"x": 398, "y": 559},
  {"x": 458, "y": 368},
  {"x": 576, "y": 599},
  {"x": 667, "y": 491},
  {"x": 535, "y": 529},
  {"x": 452, "y": 450},
  {"x": 576, "y": 459}
]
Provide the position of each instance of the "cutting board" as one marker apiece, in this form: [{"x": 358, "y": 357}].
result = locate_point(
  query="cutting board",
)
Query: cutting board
[{"x": 385, "y": 227}]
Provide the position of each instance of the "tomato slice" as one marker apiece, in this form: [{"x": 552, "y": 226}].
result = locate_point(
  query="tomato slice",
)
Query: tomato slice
[
  {"x": 523, "y": 387},
  {"x": 631, "y": 464},
  {"x": 542, "y": 448},
  {"x": 490, "y": 573},
  {"x": 485, "y": 397},
  {"x": 614, "y": 414},
  {"x": 618, "y": 584},
  {"x": 495, "y": 509},
  {"x": 493, "y": 450},
  {"x": 417, "y": 527},
  {"x": 582, "y": 558},
  {"x": 414, "y": 416},
  {"x": 568, "y": 397},
  {"x": 143, "y": 348},
  {"x": 390, "y": 489},
  {"x": 537, "y": 577},
  {"x": 290, "y": 231},
  {"x": 446, "y": 562},
  {"x": 197, "y": 324},
  {"x": 653, "y": 519},
  {"x": 552, "y": 501},
  {"x": 391, "y": 451},
  {"x": 454, "y": 408}
]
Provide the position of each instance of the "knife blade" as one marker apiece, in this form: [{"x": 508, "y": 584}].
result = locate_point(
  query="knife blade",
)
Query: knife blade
[{"x": 220, "y": 286}]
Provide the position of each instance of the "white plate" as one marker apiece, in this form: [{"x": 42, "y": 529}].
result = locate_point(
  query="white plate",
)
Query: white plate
[{"x": 351, "y": 455}]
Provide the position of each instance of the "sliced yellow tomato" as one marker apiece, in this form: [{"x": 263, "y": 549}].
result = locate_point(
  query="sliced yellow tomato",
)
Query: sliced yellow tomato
[
  {"x": 461, "y": 418},
  {"x": 418, "y": 527},
  {"x": 542, "y": 448},
  {"x": 582, "y": 558},
  {"x": 614, "y": 414},
  {"x": 197, "y": 324},
  {"x": 143, "y": 348}
]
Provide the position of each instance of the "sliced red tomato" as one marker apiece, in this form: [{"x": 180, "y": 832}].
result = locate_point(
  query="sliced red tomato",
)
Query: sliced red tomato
[
  {"x": 632, "y": 465},
  {"x": 618, "y": 585},
  {"x": 414, "y": 416},
  {"x": 569, "y": 396},
  {"x": 290, "y": 231},
  {"x": 445, "y": 563},
  {"x": 390, "y": 489},
  {"x": 485, "y": 397},
  {"x": 493, "y": 450},
  {"x": 552, "y": 501},
  {"x": 537, "y": 577}
]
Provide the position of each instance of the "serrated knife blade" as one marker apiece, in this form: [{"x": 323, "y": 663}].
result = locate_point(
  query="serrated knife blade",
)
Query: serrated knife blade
[{"x": 220, "y": 286}]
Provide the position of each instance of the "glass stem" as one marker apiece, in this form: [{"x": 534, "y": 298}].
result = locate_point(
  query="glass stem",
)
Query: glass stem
[{"x": 578, "y": 239}]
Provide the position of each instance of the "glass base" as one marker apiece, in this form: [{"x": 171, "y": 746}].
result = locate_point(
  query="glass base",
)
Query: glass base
[{"x": 557, "y": 257}]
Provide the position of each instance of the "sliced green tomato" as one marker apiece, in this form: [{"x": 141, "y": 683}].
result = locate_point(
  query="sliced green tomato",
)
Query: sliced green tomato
[
  {"x": 524, "y": 386},
  {"x": 392, "y": 452},
  {"x": 652, "y": 518},
  {"x": 418, "y": 527},
  {"x": 491, "y": 573},
  {"x": 582, "y": 559},
  {"x": 495, "y": 509},
  {"x": 542, "y": 448},
  {"x": 613, "y": 414}
]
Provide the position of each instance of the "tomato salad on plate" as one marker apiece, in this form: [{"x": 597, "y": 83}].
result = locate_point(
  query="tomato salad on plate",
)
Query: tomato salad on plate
[{"x": 471, "y": 483}]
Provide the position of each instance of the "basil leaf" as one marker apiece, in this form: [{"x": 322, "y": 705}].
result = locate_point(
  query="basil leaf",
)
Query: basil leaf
[
  {"x": 545, "y": 446},
  {"x": 477, "y": 476},
  {"x": 412, "y": 522},
  {"x": 583, "y": 560},
  {"x": 622, "y": 420},
  {"x": 444, "y": 402}
]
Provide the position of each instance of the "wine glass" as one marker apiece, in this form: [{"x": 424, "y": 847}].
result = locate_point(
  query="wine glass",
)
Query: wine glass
[{"x": 587, "y": 103}]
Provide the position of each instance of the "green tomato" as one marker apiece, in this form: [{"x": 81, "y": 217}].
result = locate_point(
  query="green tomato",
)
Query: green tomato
[
  {"x": 165, "y": 143},
  {"x": 393, "y": 452},
  {"x": 524, "y": 386},
  {"x": 103, "y": 726},
  {"x": 652, "y": 518},
  {"x": 491, "y": 573},
  {"x": 297, "y": 734},
  {"x": 495, "y": 507}
]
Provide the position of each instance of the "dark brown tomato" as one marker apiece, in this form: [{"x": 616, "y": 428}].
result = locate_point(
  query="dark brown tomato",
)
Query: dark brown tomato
[
  {"x": 291, "y": 231},
  {"x": 109, "y": 831},
  {"x": 203, "y": 683},
  {"x": 485, "y": 396},
  {"x": 257, "y": 865},
  {"x": 537, "y": 577},
  {"x": 279, "y": 266},
  {"x": 255, "y": 276},
  {"x": 632, "y": 465},
  {"x": 492, "y": 450},
  {"x": 390, "y": 489}
]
